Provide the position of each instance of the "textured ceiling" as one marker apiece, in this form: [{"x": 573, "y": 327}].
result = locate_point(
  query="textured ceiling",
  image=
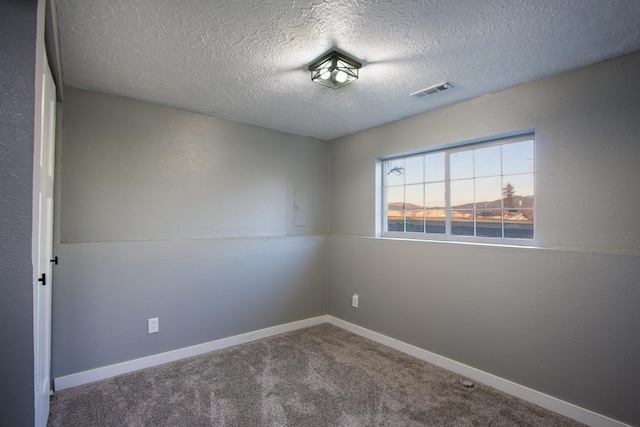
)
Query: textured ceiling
[{"x": 246, "y": 60}]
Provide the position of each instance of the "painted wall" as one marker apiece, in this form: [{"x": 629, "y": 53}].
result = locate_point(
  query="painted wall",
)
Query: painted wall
[
  {"x": 17, "y": 100},
  {"x": 561, "y": 319},
  {"x": 188, "y": 218},
  {"x": 138, "y": 171}
]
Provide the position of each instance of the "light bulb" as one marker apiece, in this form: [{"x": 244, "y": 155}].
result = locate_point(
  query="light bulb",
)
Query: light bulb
[
  {"x": 341, "y": 77},
  {"x": 325, "y": 74}
]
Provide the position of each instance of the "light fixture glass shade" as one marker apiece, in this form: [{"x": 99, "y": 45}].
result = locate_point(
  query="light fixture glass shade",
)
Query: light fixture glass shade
[{"x": 334, "y": 70}]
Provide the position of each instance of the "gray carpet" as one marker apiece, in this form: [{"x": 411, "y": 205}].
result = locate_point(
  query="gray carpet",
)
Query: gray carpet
[{"x": 318, "y": 376}]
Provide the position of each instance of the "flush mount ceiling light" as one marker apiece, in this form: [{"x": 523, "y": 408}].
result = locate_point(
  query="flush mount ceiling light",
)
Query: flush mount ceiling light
[{"x": 334, "y": 70}]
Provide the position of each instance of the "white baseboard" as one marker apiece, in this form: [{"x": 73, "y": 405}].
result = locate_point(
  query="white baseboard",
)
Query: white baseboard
[
  {"x": 556, "y": 405},
  {"x": 104, "y": 372}
]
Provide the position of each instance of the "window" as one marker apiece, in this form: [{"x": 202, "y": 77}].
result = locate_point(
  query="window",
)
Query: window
[{"x": 479, "y": 192}]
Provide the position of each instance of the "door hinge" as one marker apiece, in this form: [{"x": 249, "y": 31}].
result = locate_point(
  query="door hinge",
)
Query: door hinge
[
  {"x": 43, "y": 279},
  {"x": 54, "y": 261}
]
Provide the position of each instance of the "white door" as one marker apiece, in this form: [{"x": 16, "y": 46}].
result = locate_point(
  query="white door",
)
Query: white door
[{"x": 42, "y": 241}]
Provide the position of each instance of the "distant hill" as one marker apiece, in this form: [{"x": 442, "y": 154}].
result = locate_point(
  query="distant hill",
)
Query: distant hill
[
  {"x": 520, "y": 202},
  {"x": 397, "y": 206}
]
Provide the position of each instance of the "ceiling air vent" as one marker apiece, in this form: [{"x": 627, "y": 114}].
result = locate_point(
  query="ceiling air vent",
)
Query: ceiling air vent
[{"x": 432, "y": 90}]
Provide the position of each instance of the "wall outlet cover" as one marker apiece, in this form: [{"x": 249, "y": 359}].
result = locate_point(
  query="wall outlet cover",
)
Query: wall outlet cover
[{"x": 152, "y": 326}]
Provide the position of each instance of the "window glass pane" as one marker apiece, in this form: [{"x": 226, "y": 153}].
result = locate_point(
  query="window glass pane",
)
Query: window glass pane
[
  {"x": 518, "y": 224},
  {"x": 413, "y": 170},
  {"x": 518, "y": 191},
  {"x": 489, "y": 223},
  {"x": 461, "y": 165},
  {"x": 434, "y": 195},
  {"x": 395, "y": 172},
  {"x": 414, "y": 197},
  {"x": 462, "y": 223},
  {"x": 395, "y": 221},
  {"x": 462, "y": 194},
  {"x": 487, "y": 161},
  {"x": 434, "y": 167},
  {"x": 415, "y": 221},
  {"x": 435, "y": 221},
  {"x": 517, "y": 157},
  {"x": 489, "y": 193},
  {"x": 486, "y": 190},
  {"x": 395, "y": 198}
]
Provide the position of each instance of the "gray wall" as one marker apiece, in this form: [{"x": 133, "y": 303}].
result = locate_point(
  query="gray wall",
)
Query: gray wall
[
  {"x": 561, "y": 319},
  {"x": 188, "y": 218},
  {"x": 138, "y": 171},
  {"x": 17, "y": 93}
]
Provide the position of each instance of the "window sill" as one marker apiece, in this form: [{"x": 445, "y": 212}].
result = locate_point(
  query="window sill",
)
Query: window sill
[{"x": 503, "y": 243}]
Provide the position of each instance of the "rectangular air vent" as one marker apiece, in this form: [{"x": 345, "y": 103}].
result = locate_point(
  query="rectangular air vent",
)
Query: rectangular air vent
[{"x": 432, "y": 89}]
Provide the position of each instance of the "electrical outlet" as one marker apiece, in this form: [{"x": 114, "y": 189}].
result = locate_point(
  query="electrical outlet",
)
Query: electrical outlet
[
  {"x": 152, "y": 326},
  {"x": 354, "y": 301}
]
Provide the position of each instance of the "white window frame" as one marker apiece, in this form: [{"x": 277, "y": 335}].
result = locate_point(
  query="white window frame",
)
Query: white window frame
[{"x": 447, "y": 236}]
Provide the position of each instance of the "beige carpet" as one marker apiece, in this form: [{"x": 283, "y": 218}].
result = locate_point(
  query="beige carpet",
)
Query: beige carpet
[{"x": 318, "y": 376}]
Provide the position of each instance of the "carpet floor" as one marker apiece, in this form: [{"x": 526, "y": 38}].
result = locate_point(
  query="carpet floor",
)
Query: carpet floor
[{"x": 317, "y": 376}]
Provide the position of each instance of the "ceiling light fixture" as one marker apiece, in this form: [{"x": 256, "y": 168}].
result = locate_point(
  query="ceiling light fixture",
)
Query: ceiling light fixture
[{"x": 334, "y": 70}]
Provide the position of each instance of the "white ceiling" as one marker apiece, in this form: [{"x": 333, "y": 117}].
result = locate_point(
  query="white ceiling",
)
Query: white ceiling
[{"x": 246, "y": 60}]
